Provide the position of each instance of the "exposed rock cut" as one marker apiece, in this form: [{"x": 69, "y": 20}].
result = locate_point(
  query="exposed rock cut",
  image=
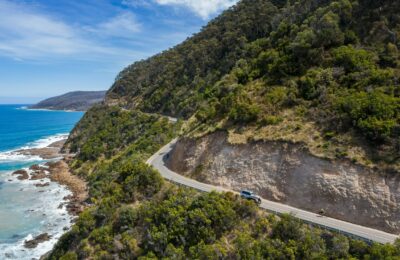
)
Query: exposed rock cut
[{"x": 289, "y": 174}]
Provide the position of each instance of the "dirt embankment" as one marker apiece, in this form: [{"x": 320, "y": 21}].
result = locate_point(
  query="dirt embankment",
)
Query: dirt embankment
[{"x": 288, "y": 173}]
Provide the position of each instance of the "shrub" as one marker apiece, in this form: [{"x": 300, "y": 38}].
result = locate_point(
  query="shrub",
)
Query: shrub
[
  {"x": 353, "y": 60},
  {"x": 69, "y": 256},
  {"x": 140, "y": 179},
  {"x": 288, "y": 228},
  {"x": 244, "y": 113},
  {"x": 126, "y": 218},
  {"x": 277, "y": 96},
  {"x": 315, "y": 83},
  {"x": 271, "y": 120},
  {"x": 375, "y": 114}
]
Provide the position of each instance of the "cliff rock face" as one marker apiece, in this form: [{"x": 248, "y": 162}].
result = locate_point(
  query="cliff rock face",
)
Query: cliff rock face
[{"x": 287, "y": 173}]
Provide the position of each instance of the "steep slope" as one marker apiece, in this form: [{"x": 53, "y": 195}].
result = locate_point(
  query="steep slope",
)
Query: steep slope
[
  {"x": 170, "y": 82},
  {"x": 333, "y": 64},
  {"x": 76, "y": 101},
  {"x": 289, "y": 174},
  {"x": 317, "y": 73},
  {"x": 134, "y": 214}
]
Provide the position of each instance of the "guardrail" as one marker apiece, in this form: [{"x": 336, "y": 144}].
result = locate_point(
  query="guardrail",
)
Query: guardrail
[
  {"x": 294, "y": 215},
  {"x": 202, "y": 187}
]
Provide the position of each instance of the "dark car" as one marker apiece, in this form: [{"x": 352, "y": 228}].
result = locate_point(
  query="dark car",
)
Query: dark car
[{"x": 248, "y": 195}]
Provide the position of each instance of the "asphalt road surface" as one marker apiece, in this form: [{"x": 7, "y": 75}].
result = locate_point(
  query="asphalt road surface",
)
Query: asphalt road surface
[{"x": 356, "y": 231}]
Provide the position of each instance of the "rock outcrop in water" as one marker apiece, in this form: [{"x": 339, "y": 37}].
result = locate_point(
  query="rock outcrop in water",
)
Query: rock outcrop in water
[
  {"x": 22, "y": 175},
  {"x": 37, "y": 240},
  {"x": 288, "y": 173}
]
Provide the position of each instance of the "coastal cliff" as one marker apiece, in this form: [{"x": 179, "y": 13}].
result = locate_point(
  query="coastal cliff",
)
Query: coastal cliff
[
  {"x": 300, "y": 75},
  {"x": 289, "y": 174}
]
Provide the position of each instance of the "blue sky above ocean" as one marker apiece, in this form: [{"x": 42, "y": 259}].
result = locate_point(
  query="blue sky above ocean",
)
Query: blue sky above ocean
[{"x": 48, "y": 47}]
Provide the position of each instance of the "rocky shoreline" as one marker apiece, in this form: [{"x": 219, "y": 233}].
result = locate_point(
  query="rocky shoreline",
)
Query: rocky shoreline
[
  {"x": 52, "y": 151},
  {"x": 56, "y": 170},
  {"x": 60, "y": 173}
]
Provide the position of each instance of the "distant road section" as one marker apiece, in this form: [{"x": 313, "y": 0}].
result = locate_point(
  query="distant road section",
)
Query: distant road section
[
  {"x": 74, "y": 101},
  {"x": 369, "y": 234}
]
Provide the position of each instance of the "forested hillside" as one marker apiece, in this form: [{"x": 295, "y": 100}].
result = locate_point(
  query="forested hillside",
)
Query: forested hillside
[
  {"x": 320, "y": 72},
  {"x": 75, "y": 101},
  {"x": 135, "y": 214},
  {"x": 333, "y": 64}
]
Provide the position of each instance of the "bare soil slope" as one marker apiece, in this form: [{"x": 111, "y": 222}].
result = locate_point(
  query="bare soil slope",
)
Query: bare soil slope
[{"x": 288, "y": 173}]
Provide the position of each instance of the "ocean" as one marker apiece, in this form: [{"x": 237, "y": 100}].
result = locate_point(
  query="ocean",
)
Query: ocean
[{"x": 26, "y": 210}]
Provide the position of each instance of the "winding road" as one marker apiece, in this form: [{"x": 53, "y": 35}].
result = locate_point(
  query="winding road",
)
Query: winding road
[{"x": 349, "y": 229}]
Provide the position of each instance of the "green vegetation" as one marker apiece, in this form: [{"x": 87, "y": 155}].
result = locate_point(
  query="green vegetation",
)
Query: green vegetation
[
  {"x": 327, "y": 68},
  {"x": 373, "y": 113},
  {"x": 136, "y": 215},
  {"x": 336, "y": 60},
  {"x": 107, "y": 130}
]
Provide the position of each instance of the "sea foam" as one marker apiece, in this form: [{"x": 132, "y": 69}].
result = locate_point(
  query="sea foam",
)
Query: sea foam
[
  {"x": 42, "y": 207},
  {"x": 39, "y": 205},
  {"x": 27, "y": 211},
  {"x": 53, "y": 221},
  {"x": 44, "y": 142},
  {"x": 15, "y": 156}
]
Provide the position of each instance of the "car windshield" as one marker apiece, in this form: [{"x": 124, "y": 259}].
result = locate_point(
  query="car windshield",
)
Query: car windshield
[{"x": 246, "y": 192}]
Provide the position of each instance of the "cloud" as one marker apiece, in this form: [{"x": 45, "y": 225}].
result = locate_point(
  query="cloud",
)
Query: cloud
[
  {"x": 203, "y": 8},
  {"x": 95, "y": 30},
  {"x": 123, "y": 25},
  {"x": 137, "y": 3},
  {"x": 27, "y": 33},
  {"x": 24, "y": 32}
]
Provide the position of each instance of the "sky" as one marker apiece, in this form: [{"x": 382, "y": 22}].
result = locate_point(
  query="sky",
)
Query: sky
[{"x": 50, "y": 47}]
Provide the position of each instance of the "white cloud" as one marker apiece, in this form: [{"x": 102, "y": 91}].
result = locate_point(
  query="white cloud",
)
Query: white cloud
[
  {"x": 123, "y": 25},
  {"x": 203, "y": 8},
  {"x": 137, "y": 3},
  {"x": 28, "y": 33},
  {"x": 24, "y": 32}
]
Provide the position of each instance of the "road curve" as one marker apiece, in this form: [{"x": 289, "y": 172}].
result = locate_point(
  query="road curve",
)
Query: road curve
[{"x": 356, "y": 231}]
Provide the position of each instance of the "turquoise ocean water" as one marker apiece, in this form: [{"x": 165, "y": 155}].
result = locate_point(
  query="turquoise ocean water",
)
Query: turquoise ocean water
[{"x": 25, "y": 210}]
